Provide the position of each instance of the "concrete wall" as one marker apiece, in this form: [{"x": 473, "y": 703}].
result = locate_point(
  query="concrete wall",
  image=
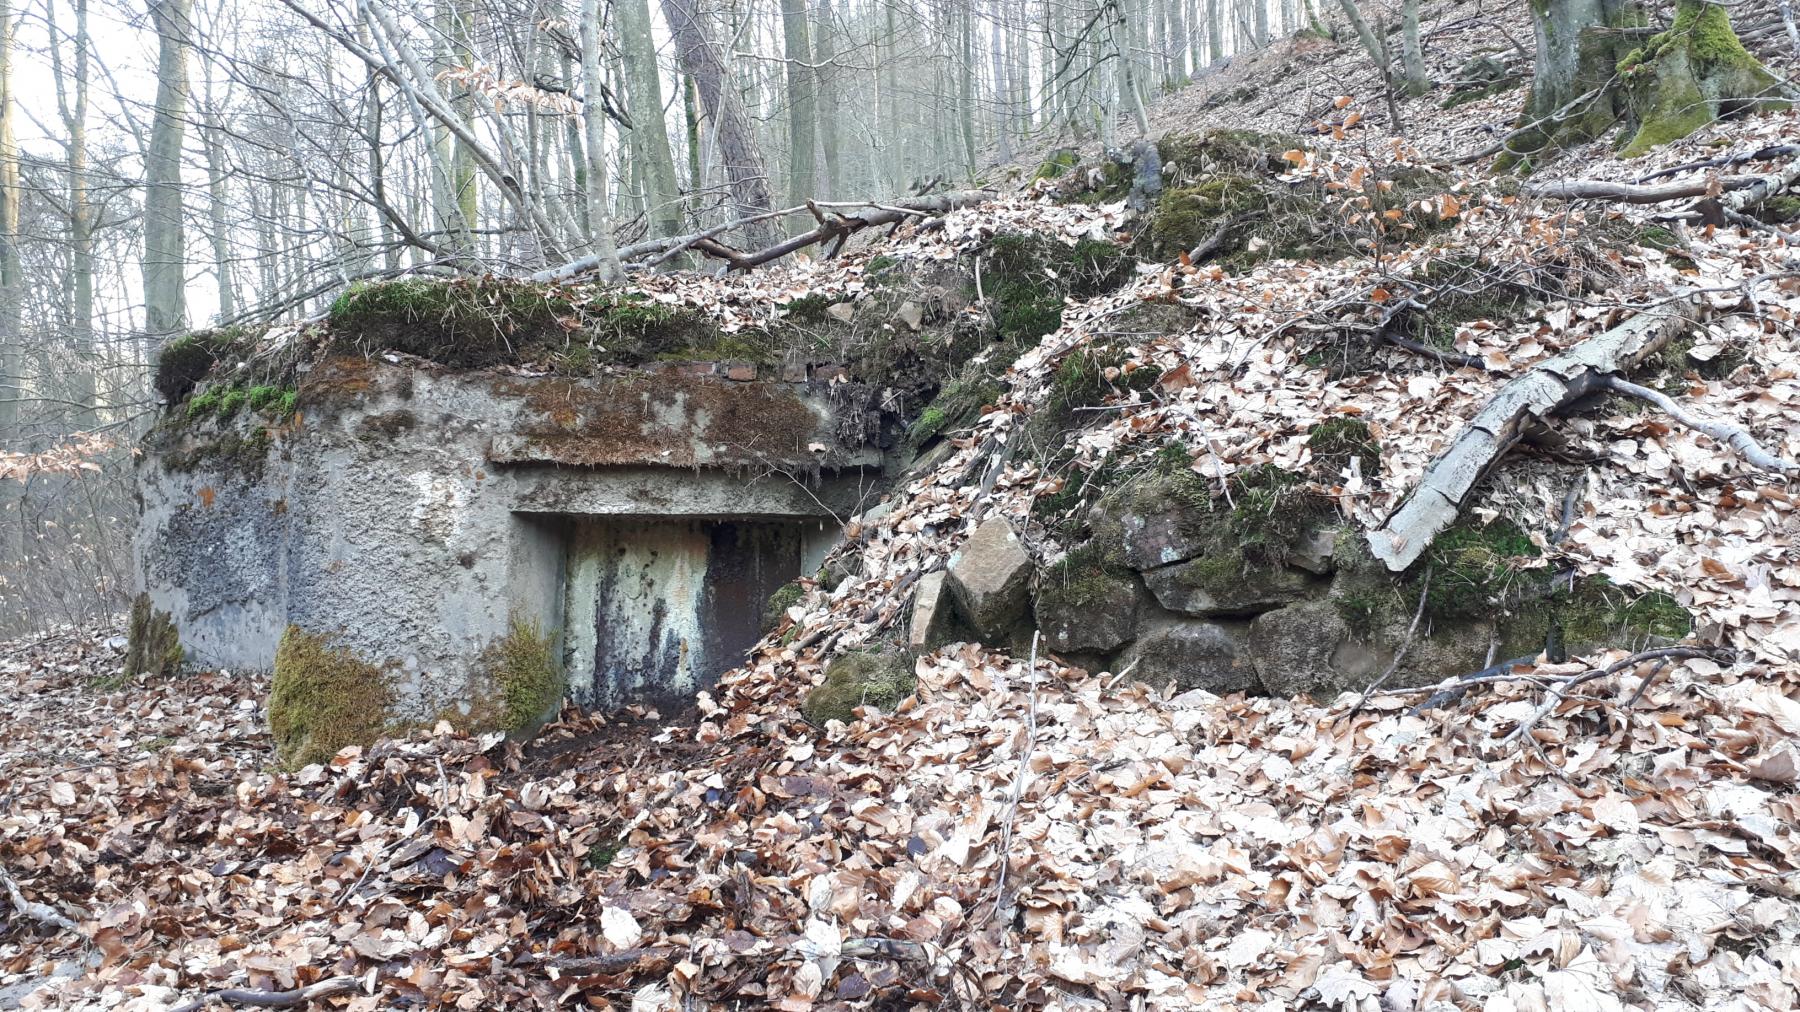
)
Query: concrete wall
[{"x": 410, "y": 512}]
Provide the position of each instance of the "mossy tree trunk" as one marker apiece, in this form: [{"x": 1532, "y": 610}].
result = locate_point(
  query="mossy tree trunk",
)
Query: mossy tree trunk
[{"x": 1590, "y": 76}]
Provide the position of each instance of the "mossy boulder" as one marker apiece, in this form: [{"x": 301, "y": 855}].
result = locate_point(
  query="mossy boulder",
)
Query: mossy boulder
[
  {"x": 1209, "y": 655},
  {"x": 1224, "y": 582},
  {"x": 1086, "y": 604},
  {"x": 858, "y": 679},
  {"x": 152, "y": 642},
  {"x": 1156, "y": 519},
  {"x": 323, "y": 699},
  {"x": 184, "y": 361},
  {"x": 1189, "y": 215}
]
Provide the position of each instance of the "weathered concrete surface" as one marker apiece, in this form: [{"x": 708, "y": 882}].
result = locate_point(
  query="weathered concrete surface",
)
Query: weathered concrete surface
[{"x": 400, "y": 512}]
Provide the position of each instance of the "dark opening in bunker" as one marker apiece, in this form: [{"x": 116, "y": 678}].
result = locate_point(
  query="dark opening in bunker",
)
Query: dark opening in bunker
[{"x": 658, "y": 608}]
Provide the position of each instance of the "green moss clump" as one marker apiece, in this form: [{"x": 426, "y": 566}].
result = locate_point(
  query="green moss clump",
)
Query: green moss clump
[
  {"x": 859, "y": 679},
  {"x": 152, "y": 643},
  {"x": 1026, "y": 277},
  {"x": 1477, "y": 569},
  {"x": 231, "y": 402},
  {"x": 1060, "y": 162},
  {"x": 241, "y": 453},
  {"x": 1272, "y": 508},
  {"x": 1089, "y": 576},
  {"x": 323, "y": 699},
  {"x": 1334, "y": 441},
  {"x": 1188, "y": 216},
  {"x": 775, "y": 611},
  {"x": 808, "y": 307},
  {"x": 1188, "y": 156},
  {"x": 1779, "y": 210},
  {"x": 523, "y": 668},
  {"x": 1599, "y": 613},
  {"x": 203, "y": 406},
  {"x": 184, "y": 362},
  {"x": 481, "y": 322}
]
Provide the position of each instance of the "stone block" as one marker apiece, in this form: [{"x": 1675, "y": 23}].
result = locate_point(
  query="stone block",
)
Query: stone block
[
  {"x": 740, "y": 372},
  {"x": 933, "y": 614},
  {"x": 1213, "y": 585},
  {"x": 990, "y": 577},
  {"x": 1193, "y": 654},
  {"x": 1083, "y": 607}
]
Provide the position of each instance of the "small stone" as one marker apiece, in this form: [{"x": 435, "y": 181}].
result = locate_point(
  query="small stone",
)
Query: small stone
[
  {"x": 1193, "y": 654},
  {"x": 990, "y": 577},
  {"x": 1215, "y": 585},
  {"x": 828, "y": 373},
  {"x": 932, "y": 616},
  {"x": 1301, "y": 649},
  {"x": 1313, "y": 552}
]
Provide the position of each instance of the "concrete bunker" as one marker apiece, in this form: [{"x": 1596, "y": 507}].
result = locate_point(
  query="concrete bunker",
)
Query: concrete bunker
[{"x": 434, "y": 525}]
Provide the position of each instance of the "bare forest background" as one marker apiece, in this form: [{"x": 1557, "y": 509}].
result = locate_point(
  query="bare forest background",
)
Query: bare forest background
[{"x": 188, "y": 164}]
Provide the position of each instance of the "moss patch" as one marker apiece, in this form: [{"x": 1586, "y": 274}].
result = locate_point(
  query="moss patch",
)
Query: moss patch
[
  {"x": 775, "y": 610},
  {"x": 1686, "y": 77},
  {"x": 1477, "y": 570},
  {"x": 1336, "y": 441},
  {"x": 1060, "y": 163},
  {"x": 231, "y": 451},
  {"x": 152, "y": 643},
  {"x": 185, "y": 361},
  {"x": 323, "y": 699},
  {"x": 859, "y": 679},
  {"x": 481, "y": 322},
  {"x": 523, "y": 669},
  {"x": 1272, "y": 508}
]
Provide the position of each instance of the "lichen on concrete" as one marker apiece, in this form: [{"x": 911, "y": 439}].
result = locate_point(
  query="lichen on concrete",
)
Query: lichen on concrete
[{"x": 324, "y": 698}]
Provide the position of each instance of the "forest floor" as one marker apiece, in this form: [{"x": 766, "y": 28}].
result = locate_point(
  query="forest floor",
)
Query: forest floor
[{"x": 1024, "y": 833}]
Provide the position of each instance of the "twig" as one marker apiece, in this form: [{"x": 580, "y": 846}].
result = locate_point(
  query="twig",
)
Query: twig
[
  {"x": 1018, "y": 787},
  {"x": 1743, "y": 157},
  {"x": 1560, "y": 693},
  {"x": 1737, "y": 438},
  {"x": 612, "y": 962},
  {"x": 276, "y": 999}
]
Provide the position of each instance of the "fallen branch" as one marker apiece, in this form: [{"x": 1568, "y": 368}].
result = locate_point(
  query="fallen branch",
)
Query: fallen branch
[
  {"x": 276, "y": 999},
  {"x": 43, "y": 913},
  {"x": 1560, "y": 693},
  {"x": 831, "y": 226},
  {"x": 1546, "y": 389},
  {"x": 1764, "y": 154},
  {"x": 1738, "y": 439},
  {"x": 1633, "y": 193},
  {"x": 612, "y": 962},
  {"x": 1018, "y": 786}
]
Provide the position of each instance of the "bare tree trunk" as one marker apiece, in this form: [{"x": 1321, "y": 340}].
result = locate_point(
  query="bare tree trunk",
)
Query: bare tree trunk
[
  {"x": 81, "y": 215},
  {"x": 165, "y": 254},
  {"x": 1418, "y": 81},
  {"x": 830, "y": 98},
  {"x": 738, "y": 149},
  {"x": 649, "y": 131},
  {"x": 11, "y": 281},
  {"x": 801, "y": 114},
  {"x": 593, "y": 119}
]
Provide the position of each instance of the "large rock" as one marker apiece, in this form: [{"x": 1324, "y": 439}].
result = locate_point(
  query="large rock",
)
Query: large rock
[
  {"x": 990, "y": 578},
  {"x": 1153, "y": 521},
  {"x": 1307, "y": 648},
  {"x": 1193, "y": 654},
  {"x": 1086, "y": 606},
  {"x": 1223, "y": 584}
]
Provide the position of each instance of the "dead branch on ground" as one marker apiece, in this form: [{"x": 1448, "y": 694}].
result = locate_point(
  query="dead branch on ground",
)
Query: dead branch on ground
[{"x": 295, "y": 998}]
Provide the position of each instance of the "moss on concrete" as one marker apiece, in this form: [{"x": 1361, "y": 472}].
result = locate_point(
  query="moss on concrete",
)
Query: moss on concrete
[
  {"x": 523, "y": 668},
  {"x": 323, "y": 699},
  {"x": 481, "y": 322},
  {"x": 152, "y": 642},
  {"x": 858, "y": 679}
]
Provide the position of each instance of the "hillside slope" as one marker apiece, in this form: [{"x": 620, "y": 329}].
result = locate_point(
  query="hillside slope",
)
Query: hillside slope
[{"x": 1614, "y": 829}]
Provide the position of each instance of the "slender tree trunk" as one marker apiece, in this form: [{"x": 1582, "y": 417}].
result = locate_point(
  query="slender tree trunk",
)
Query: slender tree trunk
[
  {"x": 830, "y": 78},
  {"x": 217, "y": 202},
  {"x": 11, "y": 280},
  {"x": 742, "y": 157},
  {"x": 965, "y": 86},
  {"x": 74, "y": 105},
  {"x": 455, "y": 19},
  {"x": 1418, "y": 81},
  {"x": 593, "y": 121},
  {"x": 649, "y": 130},
  {"x": 802, "y": 181},
  {"x": 165, "y": 254}
]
